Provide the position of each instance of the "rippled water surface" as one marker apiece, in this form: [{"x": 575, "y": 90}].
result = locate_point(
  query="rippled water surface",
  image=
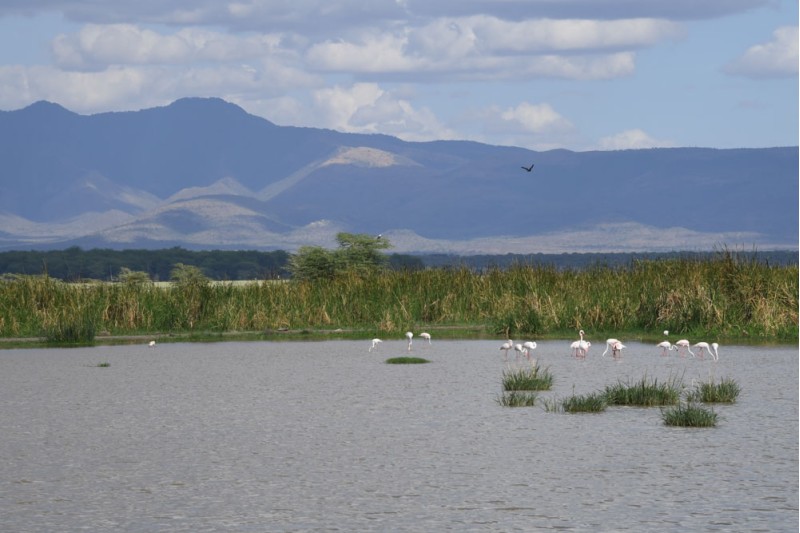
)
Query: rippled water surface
[{"x": 321, "y": 436}]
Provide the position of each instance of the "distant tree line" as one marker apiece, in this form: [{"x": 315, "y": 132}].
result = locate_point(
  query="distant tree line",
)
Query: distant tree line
[{"x": 75, "y": 264}]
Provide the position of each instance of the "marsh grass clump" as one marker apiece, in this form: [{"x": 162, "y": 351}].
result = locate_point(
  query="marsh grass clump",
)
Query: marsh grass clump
[
  {"x": 532, "y": 378},
  {"x": 644, "y": 393},
  {"x": 78, "y": 330},
  {"x": 103, "y": 365},
  {"x": 595, "y": 402},
  {"x": 689, "y": 415},
  {"x": 517, "y": 399},
  {"x": 726, "y": 391},
  {"x": 406, "y": 361}
]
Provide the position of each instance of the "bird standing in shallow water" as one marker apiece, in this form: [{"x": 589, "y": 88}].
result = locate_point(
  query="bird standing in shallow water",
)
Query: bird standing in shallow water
[
  {"x": 409, "y": 336},
  {"x": 426, "y": 336},
  {"x": 375, "y": 343}
]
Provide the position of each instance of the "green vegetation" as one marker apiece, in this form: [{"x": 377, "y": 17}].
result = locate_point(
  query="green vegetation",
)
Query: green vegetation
[
  {"x": 726, "y": 391},
  {"x": 587, "y": 403},
  {"x": 727, "y": 297},
  {"x": 531, "y": 378},
  {"x": 689, "y": 415},
  {"x": 103, "y": 365},
  {"x": 644, "y": 393},
  {"x": 517, "y": 399},
  {"x": 406, "y": 361}
]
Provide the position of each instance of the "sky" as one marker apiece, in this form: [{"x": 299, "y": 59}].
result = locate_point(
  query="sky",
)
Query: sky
[{"x": 538, "y": 74}]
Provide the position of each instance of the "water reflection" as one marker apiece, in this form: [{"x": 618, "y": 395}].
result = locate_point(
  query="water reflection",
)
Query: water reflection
[{"x": 304, "y": 436}]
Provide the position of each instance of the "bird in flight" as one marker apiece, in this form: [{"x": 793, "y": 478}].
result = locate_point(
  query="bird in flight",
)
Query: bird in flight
[{"x": 528, "y": 168}]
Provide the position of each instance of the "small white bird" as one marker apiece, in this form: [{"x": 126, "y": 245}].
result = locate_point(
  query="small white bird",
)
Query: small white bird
[
  {"x": 152, "y": 344},
  {"x": 409, "y": 336},
  {"x": 375, "y": 343},
  {"x": 715, "y": 347},
  {"x": 426, "y": 336}
]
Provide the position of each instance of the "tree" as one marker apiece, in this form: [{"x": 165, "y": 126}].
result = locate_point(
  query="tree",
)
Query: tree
[
  {"x": 357, "y": 253},
  {"x": 188, "y": 275},
  {"x": 133, "y": 277}
]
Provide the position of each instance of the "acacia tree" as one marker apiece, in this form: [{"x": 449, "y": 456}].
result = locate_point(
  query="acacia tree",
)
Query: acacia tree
[{"x": 357, "y": 252}]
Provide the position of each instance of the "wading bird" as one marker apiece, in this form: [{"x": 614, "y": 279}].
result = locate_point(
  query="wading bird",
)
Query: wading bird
[
  {"x": 616, "y": 349},
  {"x": 506, "y": 347},
  {"x": 581, "y": 347},
  {"x": 152, "y": 344},
  {"x": 426, "y": 336},
  {"x": 610, "y": 346},
  {"x": 666, "y": 347},
  {"x": 409, "y": 336},
  {"x": 682, "y": 345},
  {"x": 519, "y": 349},
  {"x": 528, "y": 168},
  {"x": 375, "y": 343},
  {"x": 529, "y": 346},
  {"x": 715, "y": 347},
  {"x": 701, "y": 348}
]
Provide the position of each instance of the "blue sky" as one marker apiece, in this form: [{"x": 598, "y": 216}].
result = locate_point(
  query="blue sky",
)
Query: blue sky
[{"x": 575, "y": 74}]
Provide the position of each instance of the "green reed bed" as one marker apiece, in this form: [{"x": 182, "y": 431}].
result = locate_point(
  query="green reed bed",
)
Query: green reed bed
[
  {"x": 406, "y": 361},
  {"x": 726, "y": 391},
  {"x": 586, "y": 403},
  {"x": 531, "y": 378},
  {"x": 689, "y": 415},
  {"x": 517, "y": 399},
  {"x": 725, "y": 297},
  {"x": 644, "y": 393}
]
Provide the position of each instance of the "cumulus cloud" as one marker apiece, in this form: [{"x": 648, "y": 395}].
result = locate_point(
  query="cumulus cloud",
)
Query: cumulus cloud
[
  {"x": 777, "y": 58},
  {"x": 367, "y": 108},
  {"x": 631, "y": 140}
]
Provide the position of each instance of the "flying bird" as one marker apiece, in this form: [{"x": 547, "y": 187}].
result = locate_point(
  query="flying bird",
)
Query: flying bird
[{"x": 528, "y": 168}]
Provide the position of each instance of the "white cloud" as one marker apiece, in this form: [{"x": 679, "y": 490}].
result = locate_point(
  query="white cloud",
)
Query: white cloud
[
  {"x": 535, "y": 118},
  {"x": 97, "y": 46},
  {"x": 631, "y": 140},
  {"x": 776, "y": 58},
  {"x": 367, "y": 108}
]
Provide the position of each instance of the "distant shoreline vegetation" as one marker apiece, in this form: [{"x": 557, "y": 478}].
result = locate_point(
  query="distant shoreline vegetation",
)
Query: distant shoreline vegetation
[
  {"x": 76, "y": 264},
  {"x": 725, "y": 296}
]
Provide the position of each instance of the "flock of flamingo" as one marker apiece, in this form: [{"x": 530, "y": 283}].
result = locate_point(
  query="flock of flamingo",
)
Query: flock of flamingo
[{"x": 580, "y": 348}]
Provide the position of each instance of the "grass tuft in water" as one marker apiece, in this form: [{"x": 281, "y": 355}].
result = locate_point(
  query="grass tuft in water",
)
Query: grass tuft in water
[
  {"x": 103, "y": 365},
  {"x": 517, "y": 399},
  {"x": 406, "y": 361},
  {"x": 644, "y": 393},
  {"x": 689, "y": 415},
  {"x": 588, "y": 403},
  {"x": 726, "y": 391},
  {"x": 532, "y": 378}
]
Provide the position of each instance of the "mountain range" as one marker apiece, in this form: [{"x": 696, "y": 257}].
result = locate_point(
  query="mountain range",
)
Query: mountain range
[{"x": 202, "y": 173}]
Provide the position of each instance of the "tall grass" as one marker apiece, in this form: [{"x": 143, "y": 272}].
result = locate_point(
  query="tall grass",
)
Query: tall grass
[
  {"x": 689, "y": 415},
  {"x": 531, "y": 378},
  {"x": 726, "y": 391},
  {"x": 644, "y": 393},
  {"x": 725, "y": 297}
]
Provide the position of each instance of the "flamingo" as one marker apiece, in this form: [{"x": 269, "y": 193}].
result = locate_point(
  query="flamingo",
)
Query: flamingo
[
  {"x": 581, "y": 347},
  {"x": 152, "y": 344},
  {"x": 519, "y": 349},
  {"x": 409, "y": 336},
  {"x": 683, "y": 344},
  {"x": 528, "y": 168},
  {"x": 666, "y": 347},
  {"x": 715, "y": 347},
  {"x": 616, "y": 349},
  {"x": 530, "y": 345},
  {"x": 703, "y": 347},
  {"x": 375, "y": 343},
  {"x": 610, "y": 344},
  {"x": 426, "y": 336},
  {"x": 506, "y": 347}
]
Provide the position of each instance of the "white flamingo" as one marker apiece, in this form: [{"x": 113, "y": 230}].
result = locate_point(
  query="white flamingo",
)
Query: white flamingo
[
  {"x": 610, "y": 346},
  {"x": 409, "y": 336},
  {"x": 666, "y": 347},
  {"x": 715, "y": 347},
  {"x": 519, "y": 349},
  {"x": 701, "y": 348},
  {"x": 152, "y": 344},
  {"x": 375, "y": 343},
  {"x": 684, "y": 344},
  {"x": 616, "y": 349},
  {"x": 529, "y": 347},
  {"x": 581, "y": 346},
  {"x": 506, "y": 346},
  {"x": 426, "y": 336}
]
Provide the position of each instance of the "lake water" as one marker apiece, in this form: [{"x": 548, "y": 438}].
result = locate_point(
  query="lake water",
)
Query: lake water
[{"x": 324, "y": 436}]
